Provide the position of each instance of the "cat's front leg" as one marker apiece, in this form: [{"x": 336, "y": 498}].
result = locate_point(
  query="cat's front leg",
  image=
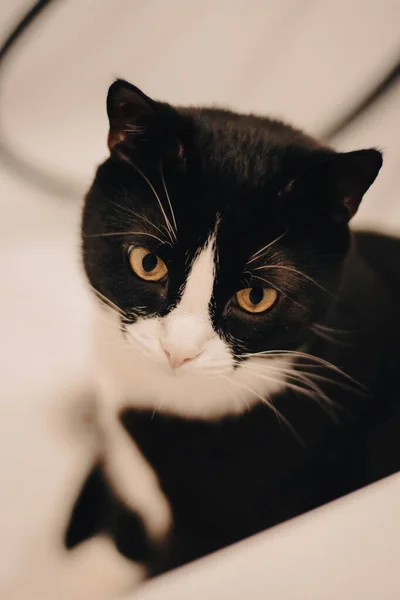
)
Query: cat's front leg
[
  {"x": 133, "y": 479},
  {"x": 94, "y": 570},
  {"x": 129, "y": 473}
]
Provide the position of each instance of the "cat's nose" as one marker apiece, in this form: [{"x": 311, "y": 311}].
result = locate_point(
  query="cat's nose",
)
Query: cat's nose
[{"x": 177, "y": 357}]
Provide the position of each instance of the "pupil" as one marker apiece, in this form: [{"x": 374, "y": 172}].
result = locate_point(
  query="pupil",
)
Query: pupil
[
  {"x": 256, "y": 295},
  {"x": 149, "y": 262}
]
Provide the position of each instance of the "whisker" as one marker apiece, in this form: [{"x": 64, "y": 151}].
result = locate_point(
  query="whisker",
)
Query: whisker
[
  {"x": 215, "y": 374},
  {"x": 144, "y": 219},
  {"x": 134, "y": 129},
  {"x": 328, "y": 333},
  {"x": 107, "y": 301},
  {"x": 171, "y": 232},
  {"x": 168, "y": 198},
  {"x": 128, "y": 211},
  {"x": 270, "y": 405},
  {"x": 253, "y": 392},
  {"x": 116, "y": 233},
  {"x": 126, "y": 208},
  {"x": 274, "y": 379},
  {"x": 156, "y": 408},
  {"x": 257, "y": 254},
  {"x": 293, "y": 270},
  {"x": 327, "y": 337},
  {"x": 326, "y": 406},
  {"x": 108, "y": 319},
  {"x": 330, "y": 381},
  {"x": 304, "y": 378},
  {"x": 332, "y": 329},
  {"x": 293, "y": 372},
  {"x": 280, "y": 291},
  {"x": 317, "y": 359}
]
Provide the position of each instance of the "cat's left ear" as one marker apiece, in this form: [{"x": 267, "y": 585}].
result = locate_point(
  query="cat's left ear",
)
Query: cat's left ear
[
  {"x": 339, "y": 181},
  {"x": 354, "y": 172},
  {"x": 136, "y": 126}
]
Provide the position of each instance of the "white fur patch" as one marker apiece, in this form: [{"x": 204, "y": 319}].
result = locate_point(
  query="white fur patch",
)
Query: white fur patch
[
  {"x": 96, "y": 571},
  {"x": 140, "y": 369},
  {"x": 128, "y": 471},
  {"x": 187, "y": 329},
  {"x": 208, "y": 386}
]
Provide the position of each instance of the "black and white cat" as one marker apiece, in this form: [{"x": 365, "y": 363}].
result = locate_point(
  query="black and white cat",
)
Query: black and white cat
[{"x": 244, "y": 346}]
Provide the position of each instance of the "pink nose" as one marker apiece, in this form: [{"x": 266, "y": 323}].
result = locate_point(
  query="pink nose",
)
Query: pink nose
[{"x": 179, "y": 357}]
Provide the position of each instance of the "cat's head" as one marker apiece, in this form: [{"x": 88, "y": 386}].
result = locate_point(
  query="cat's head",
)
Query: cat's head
[{"x": 216, "y": 241}]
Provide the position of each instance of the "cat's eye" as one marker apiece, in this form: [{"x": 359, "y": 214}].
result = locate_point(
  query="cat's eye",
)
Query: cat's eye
[
  {"x": 146, "y": 264},
  {"x": 256, "y": 299}
]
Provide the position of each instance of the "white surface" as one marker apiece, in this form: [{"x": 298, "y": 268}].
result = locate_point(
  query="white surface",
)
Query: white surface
[
  {"x": 348, "y": 550},
  {"x": 304, "y": 60},
  {"x": 307, "y": 61}
]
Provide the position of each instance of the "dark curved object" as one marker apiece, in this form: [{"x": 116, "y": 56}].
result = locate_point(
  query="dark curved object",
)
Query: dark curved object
[
  {"x": 41, "y": 178},
  {"x": 55, "y": 184},
  {"x": 22, "y": 26},
  {"x": 362, "y": 106},
  {"x": 98, "y": 510}
]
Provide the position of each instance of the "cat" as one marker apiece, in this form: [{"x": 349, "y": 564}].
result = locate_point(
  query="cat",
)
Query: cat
[{"x": 244, "y": 344}]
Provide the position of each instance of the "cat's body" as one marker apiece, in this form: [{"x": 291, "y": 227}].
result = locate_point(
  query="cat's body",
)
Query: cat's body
[{"x": 238, "y": 333}]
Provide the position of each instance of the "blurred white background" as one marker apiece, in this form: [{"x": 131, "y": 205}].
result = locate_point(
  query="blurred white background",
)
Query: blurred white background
[{"x": 310, "y": 62}]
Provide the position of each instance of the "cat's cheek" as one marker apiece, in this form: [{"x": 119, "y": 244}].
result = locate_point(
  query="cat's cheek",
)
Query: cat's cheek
[
  {"x": 145, "y": 336},
  {"x": 216, "y": 359}
]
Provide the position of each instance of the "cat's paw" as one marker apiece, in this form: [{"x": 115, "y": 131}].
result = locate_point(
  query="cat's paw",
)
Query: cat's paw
[{"x": 96, "y": 571}]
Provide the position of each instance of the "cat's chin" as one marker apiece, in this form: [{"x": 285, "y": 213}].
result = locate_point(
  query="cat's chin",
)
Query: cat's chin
[{"x": 128, "y": 376}]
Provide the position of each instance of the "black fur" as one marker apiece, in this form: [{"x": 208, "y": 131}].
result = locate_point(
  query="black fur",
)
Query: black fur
[
  {"x": 98, "y": 510},
  {"x": 261, "y": 177},
  {"x": 229, "y": 479}
]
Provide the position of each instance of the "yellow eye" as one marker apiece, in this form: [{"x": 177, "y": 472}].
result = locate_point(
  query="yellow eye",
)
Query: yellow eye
[
  {"x": 256, "y": 299},
  {"x": 146, "y": 264}
]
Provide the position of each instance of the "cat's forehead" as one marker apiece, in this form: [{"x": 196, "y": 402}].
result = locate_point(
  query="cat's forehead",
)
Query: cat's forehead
[
  {"x": 226, "y": 180},
  {"x": 224, "y": 199},
  {"x": 247, "y": 149}
]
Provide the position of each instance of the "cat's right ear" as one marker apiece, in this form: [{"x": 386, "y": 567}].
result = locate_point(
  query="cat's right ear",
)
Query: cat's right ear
[{"x": 135, "y": 123}]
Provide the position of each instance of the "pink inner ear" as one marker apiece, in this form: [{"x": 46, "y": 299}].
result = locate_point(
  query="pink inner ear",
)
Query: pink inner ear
[
  {"x": 115, "y": 137},
  {"x": 352, "y": 203}
]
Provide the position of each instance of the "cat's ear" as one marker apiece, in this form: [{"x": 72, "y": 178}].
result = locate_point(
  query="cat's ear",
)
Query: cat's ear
[
  {"x": 135, "y": 122},
  {"x": 337, "y": 183},
  {"x": 353, "y": 173}
]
